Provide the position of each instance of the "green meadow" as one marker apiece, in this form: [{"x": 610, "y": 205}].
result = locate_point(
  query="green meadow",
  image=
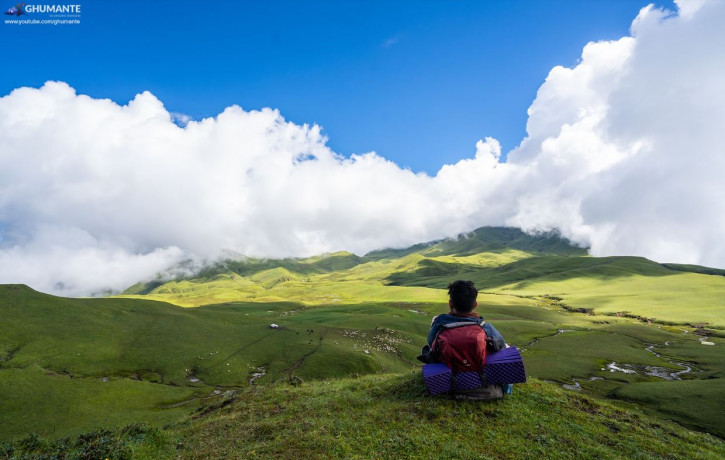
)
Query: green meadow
[
  {"x": 500, "y": 261},
  {"x": 390, "y": 416},
  {"x": 645, "y": 337}
]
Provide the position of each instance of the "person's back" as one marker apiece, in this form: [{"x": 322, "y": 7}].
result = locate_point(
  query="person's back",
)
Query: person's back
[
  {"x": 462, "y": 302},
  {"x": 461, "y": 338}
]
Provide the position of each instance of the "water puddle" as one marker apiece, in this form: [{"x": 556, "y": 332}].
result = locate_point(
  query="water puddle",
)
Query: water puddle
[
  {"x": 191, "y": 375},
  {"x": 261, "y": 372},
  {"x": 577, "y": 386},
  {"x": 625, "y": 368}
]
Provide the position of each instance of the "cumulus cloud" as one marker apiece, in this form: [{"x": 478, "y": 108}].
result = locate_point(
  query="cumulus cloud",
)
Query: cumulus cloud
[
  {"x": 623, "y": 153},
  {"x": 634, "y": 147},
  {"x": 180, "y": 119}
]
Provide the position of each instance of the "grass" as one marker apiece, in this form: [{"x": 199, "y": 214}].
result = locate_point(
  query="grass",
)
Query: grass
[
  {"x": 131, "y": 441},
  {"x": 55, "y": 352},
  {"x": 389, "y": 416},
  {"x": 583, "y": 354},
  {"x": 674, "y": 298},
  {"x": 42, "y": 402},
  {"x": 696, "y": 403},
  {"x": 629, "y": 285},
  {"x": 502, "y": 261},
  {"x": 339, "y": 317}
]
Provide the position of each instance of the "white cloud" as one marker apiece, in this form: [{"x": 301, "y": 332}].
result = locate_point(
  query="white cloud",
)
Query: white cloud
[
  {"x": 180, "y": 119},
  {"x": 651, "y": 158},
  {"x": 391, "y": 41},
  {"x": 623, "y": 152}
]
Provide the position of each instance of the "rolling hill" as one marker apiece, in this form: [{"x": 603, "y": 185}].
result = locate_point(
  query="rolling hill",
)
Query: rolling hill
[
  {"x": 646, "y": 336},
  {"x": 499, "y": 260}
]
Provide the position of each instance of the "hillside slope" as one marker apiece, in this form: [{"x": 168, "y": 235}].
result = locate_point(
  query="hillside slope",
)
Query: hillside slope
[
  {"x": 70, "y": 365},
  {"x": 500, "y": 260},
  {"x": 389, "y": 416},
  {"x": 616, "y": 327}
]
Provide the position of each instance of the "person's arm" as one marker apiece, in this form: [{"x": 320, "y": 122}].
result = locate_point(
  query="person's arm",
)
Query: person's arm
[{"x": 496, "y": 339}]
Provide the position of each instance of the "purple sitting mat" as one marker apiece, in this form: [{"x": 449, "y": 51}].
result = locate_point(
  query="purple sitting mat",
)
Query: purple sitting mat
[
  {"x": 505, "y": 366},
  {"x": 430, "y": 370},
  {"x": 505, "y": 373},
  {"x": 438, "y": 379},
  {"x": 507, "y": 355}
]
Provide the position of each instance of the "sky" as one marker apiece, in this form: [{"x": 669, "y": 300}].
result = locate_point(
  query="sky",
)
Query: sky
[
  {"x": 156, "y": 132},
  {"x": 417, "y": 82}
]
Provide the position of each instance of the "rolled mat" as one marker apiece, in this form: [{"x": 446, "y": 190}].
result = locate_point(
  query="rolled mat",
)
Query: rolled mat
[{"x": 504, "y": 366}]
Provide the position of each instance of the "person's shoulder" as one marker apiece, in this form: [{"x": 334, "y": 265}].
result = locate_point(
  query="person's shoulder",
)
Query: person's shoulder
[
  {"x": 440, "y": 319},
  {"x": 445, "y": 317},
  {"x": 448, "y": 318}
]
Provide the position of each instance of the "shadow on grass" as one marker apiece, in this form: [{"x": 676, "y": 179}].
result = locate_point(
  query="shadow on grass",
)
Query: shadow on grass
[{"x": 523, "y": 272}]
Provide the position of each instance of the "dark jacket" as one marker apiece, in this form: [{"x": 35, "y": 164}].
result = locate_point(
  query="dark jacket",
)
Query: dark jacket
[{"x": 494, "y": 338}]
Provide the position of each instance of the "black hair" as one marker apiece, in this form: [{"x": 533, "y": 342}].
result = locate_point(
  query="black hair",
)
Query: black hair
[{"x": 463, "y": 295}]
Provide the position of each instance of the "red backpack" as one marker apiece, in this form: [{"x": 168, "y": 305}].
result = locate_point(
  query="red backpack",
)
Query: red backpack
[{"x": 462, "y": 346}]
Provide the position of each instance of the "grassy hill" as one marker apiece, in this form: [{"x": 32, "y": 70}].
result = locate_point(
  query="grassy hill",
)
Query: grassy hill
[
  {"x": 611, "y": 285},
  {"x": 87, "y": 363},
  {"x": 499, "y": 260},
  {"x": 389, "y": 416},
  {"x": 623, "y": 328}
]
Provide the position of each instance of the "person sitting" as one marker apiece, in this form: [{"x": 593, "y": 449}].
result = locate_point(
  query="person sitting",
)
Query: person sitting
[
  {"x": 462, "y": 297},
  {"x": 461, "y": 339}
]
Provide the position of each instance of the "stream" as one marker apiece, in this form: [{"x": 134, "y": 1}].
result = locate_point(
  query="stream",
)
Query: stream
[
  {"x": 661, "y": 372},
  {"x": 640, "y": 369},
  {"x": 652, "y": 371},
  {"x": 535, "y": 341},
  {"x": 261, "y": 372},
  {"x": 577, "y": 386}
]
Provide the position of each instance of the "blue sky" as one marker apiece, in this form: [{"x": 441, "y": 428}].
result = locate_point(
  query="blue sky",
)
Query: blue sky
[{"x": 417, "y": 82}]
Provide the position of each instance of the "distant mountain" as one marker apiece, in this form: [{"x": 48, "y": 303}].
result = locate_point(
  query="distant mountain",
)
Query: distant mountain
[
  {"x": 485, "y": 239},
  {"x": 497, "y": 259}
]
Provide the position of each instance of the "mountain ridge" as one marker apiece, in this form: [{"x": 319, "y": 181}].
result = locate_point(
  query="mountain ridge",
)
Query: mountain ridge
[{"x": 497, "y": 259}]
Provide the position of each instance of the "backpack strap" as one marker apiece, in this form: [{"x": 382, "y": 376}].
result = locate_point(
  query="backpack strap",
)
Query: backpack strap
[
  {"x": 482, "y": 375},
  {"x": 480, "y": 322}
]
